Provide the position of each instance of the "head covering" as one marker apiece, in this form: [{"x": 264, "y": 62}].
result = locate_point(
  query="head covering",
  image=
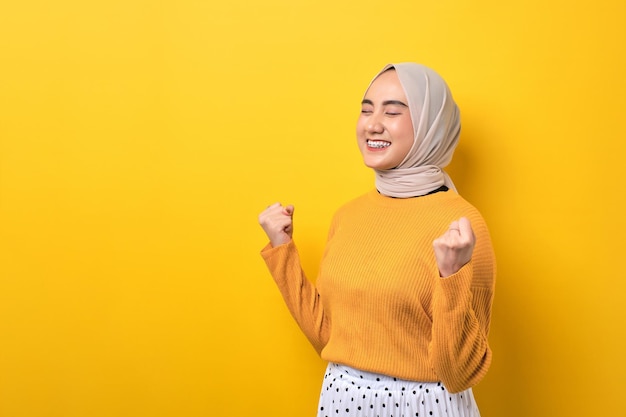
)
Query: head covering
[{"x": 436, "y": 126}]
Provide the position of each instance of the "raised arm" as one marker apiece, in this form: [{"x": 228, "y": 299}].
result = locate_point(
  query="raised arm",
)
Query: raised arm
[
  {"x": 283, "y": 261},
  {"x": 462, "y": 299}
]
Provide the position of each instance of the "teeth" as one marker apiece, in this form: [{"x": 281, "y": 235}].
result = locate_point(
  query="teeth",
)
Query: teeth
[{"x": 377, "y": 143}]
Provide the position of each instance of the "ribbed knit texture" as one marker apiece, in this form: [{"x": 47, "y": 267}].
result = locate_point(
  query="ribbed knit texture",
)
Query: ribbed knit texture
[{"x": 379, "y": 303}]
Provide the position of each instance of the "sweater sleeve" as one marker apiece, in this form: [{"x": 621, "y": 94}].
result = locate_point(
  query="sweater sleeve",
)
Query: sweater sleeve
[
  {"x": 459, "y": 348},
  {"x": 300, "y": 295}
]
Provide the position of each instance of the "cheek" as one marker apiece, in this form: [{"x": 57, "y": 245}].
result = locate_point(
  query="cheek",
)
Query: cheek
[
  {"x": 407, "y": 127},
  {"x": 405, "y": 136},
  {"x": 402, "y": 130},
  {"x": 405, "y": 130},
  {"x": 360, "y": 127}
]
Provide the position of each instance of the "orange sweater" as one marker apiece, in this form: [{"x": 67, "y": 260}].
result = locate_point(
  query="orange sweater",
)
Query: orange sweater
[{"x": 379, "y": 303}]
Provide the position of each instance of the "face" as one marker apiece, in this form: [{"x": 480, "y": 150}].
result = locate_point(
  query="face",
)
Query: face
[{"x": 384, "y": 130}]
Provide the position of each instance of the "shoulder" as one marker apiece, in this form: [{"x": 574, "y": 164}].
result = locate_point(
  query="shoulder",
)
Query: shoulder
[
  {"x": 349, "y": 209},
  {"x": 484, "y": 257},
  {"x": 450, "y": 206},
  {"x": 462, "y": 207},
  {"x": 357, "y": 203}
]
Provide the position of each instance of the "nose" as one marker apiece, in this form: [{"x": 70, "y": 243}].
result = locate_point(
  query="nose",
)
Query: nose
[{"x": 374, "y": 124}]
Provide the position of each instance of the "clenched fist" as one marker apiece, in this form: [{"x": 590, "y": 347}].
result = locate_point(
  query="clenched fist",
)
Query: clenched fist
[
  {"x": 277, "y": 222},
  {"x": 454, "y": 248}
]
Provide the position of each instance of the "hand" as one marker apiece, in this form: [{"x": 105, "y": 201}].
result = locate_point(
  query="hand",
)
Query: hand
[
  {"x": 454, "y": 248},
  {"x": 277, "y": 222}
]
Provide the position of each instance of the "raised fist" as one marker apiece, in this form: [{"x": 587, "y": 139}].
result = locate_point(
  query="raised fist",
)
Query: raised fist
[
  {"x": 277, "y": 222},
  {"x": 454, "y": 248}
]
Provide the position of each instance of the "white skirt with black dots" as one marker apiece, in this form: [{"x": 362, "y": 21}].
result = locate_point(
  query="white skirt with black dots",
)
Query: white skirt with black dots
[{"x": 349, "y": 392}]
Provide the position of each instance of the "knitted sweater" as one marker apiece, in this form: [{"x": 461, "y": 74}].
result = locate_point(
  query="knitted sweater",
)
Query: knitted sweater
[{"x": 379, "y": 304}]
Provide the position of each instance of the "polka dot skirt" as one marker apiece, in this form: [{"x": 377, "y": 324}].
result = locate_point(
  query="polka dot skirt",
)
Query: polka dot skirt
[{"x": 349, "y": 392}]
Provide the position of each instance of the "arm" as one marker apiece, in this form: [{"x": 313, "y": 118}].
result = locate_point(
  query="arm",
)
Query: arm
[
  {"x": 300, "y": 295},
  {"x": 282, "y": 259},
  {"x": 462, "y": 300}
]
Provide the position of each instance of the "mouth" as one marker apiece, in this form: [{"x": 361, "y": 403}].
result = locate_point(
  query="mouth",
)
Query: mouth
[{"x": 378, "y": 144}]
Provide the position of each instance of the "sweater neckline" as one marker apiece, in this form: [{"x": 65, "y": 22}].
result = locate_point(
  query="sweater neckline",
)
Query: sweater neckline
[{"x": 387, "y": 201}]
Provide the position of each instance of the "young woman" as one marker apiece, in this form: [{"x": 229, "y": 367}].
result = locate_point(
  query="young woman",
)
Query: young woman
[{"x": 402, "y": 304}]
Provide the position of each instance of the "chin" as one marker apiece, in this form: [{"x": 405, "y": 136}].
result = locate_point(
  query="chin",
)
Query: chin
[
  {"x": 375, "y": 160},
  {"x": 376, "y": 165}
]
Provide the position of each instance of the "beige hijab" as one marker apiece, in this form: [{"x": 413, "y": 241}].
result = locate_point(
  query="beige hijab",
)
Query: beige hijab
[{"x": 436, "y": 126}]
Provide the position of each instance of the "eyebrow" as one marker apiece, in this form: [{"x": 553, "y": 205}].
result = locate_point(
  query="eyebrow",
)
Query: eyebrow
[{"x": 386, "y": 102}]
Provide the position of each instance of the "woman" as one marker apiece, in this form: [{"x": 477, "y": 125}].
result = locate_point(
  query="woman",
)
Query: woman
[{"x": 402, "y": 304}]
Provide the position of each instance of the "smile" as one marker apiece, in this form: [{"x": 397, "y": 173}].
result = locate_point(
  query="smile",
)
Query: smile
[{"x": 378, "y": 144}]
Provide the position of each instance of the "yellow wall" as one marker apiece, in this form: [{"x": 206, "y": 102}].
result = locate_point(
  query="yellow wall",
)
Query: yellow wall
[{"x": 139, "y": 140}]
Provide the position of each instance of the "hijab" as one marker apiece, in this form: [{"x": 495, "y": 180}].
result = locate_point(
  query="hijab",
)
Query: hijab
[{"x": 436, "y": 125}]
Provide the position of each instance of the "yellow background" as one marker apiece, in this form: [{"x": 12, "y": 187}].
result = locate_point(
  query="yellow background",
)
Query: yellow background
[{"x": 140, "y": 139}]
